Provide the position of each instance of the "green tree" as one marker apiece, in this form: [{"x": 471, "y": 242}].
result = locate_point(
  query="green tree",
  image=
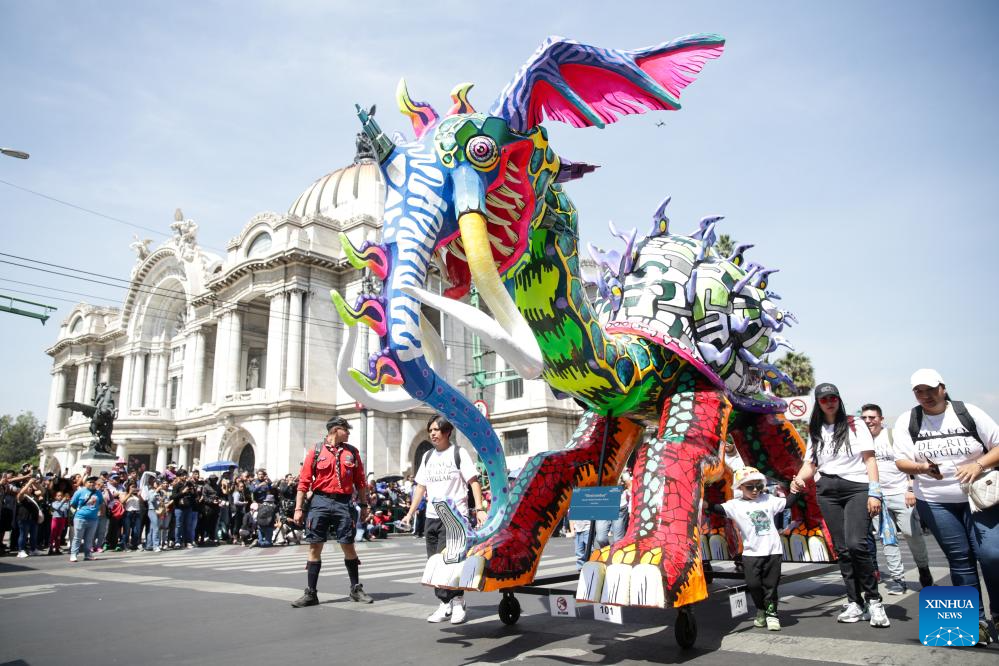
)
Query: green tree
[
  {"x": 725, "y": 245},
  {"x": 801, "y": 371},
  {"x": 19, "y": 438}
]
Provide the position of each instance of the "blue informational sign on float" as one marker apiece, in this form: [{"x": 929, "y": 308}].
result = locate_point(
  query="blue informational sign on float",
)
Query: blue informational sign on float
[{"x": 600, "y": 503}]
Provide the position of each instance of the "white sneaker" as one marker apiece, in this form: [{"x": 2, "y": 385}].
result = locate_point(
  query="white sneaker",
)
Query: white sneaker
[
  {"x": 458, "y": 611},
  {"x": 36, "y": 552},
  {"x": 157, "y": 549},
  {"x": 72, "y": 558},
  {"x": 853, "y": 613},
  {"x": 442, "y": 613},
  {"x": 878, "y": 616},
  {"x": 22, "y": 553}
]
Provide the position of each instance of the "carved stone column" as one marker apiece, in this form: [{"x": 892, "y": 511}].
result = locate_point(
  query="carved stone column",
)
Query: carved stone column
[
  {"x": 293, "y": 380},
  {"x": 234, "y": 357},
  {"x": 184, "y": 457},
  {"x": 88, "y": 391},
  {"x": 55, "y": 397},
  {"x": 125, "y": 390},
  {"x": 138, "y": 379},
  {"x": 81, "y": 383},
  {"x": 200, "y": 359},
  {"x": 275, "y": 343},
  {"x": 121, "y": 450},
  {"x": 162, "y": 453},
  {"x": 162, "y": 370},
  {"x": 221, "y": 349}
]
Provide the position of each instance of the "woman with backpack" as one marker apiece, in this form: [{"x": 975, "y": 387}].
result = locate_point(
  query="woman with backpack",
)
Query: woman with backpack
[
  {"x": 944, "y": 444},
  {"x": 849, "y": 494}
]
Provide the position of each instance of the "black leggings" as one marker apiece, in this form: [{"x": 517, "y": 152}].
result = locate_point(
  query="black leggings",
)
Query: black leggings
[
  {"x": 762, "y": 577},
  {"x": 844, "y": 507}
]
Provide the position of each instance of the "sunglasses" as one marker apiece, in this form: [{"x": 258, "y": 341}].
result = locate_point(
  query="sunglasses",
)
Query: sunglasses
[
  {"x": 829, "y": 398},
  {"x": 753, "y": 486}
]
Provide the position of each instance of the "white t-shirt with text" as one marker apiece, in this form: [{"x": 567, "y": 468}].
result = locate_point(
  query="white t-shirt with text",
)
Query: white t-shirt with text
[
  {"x": 893, "y": 481},
  {"x": 445, "y": 481},
  {"x": 943, "y": 440},
  {"x": 846, "y": 465},
  {"x": 755, "y": 521}
]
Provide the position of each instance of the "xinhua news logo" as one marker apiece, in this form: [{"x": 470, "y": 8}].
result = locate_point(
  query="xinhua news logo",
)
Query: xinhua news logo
[{"x": 948, "y": 616}]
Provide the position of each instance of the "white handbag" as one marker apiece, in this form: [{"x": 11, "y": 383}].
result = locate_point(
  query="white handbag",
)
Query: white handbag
[{"x": 983, "y": 492}]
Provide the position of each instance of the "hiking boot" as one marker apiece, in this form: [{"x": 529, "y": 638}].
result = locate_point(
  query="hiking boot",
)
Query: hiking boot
[
  {"x": 458, "y": 610},
  {"x": 442, "y": 613},
  {"x": 925, "y": 577},
  {"x": 307, "y": 599},
  {"x": 853, "y": 613},
  {"x": 773, "y": 624},
  {"x": 761, "y": 619},
  {"x": 878, "y": 616},
  {"x": 358, "y": 594},
  {"x": 896, "y": 586}
]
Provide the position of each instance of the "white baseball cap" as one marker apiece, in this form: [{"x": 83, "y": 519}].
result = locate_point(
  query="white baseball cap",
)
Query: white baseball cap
[{"x": 926, "y": 377}]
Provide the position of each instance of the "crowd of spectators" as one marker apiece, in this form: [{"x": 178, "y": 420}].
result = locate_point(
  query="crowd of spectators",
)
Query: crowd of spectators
[{"x": 172, "y": 509}]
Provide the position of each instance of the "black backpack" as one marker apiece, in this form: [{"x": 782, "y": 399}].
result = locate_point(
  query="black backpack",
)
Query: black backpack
[
  {"x": 265, "y": 514},
  {"x": 960, "y": 410}
]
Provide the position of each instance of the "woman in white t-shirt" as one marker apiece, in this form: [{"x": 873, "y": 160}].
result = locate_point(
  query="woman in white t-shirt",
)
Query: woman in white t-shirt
[
  {"x": 949, "y": 449},
  {"x": 446, "y": 473},
  {"x": 849, "y": 494}
]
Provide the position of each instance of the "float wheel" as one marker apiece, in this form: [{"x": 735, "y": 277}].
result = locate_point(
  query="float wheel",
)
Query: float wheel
[
  {"x": 509, "y": 609},
  {"x": 685, "y": 629}
]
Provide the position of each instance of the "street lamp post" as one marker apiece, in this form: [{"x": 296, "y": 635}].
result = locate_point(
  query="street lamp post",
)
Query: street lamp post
[{"x": 11, "y": 152}]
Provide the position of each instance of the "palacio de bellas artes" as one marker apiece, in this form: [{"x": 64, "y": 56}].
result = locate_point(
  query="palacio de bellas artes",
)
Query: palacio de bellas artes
[{"x": 235, "y": 357}]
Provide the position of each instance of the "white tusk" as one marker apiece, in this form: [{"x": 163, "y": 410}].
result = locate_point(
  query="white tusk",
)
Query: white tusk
[
  {"x": 396, "y": 401},
  {"x": 521, "y": 351}
]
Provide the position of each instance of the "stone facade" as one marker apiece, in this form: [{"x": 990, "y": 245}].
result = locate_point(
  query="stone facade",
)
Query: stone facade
[{"x": 234, "y": 357}]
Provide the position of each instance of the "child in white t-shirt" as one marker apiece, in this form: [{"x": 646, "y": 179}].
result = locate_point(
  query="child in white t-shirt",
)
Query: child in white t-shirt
[{"x": 762, "y": 551}]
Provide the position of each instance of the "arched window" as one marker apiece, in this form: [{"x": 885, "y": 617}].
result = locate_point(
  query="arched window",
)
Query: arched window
[
  {"x": 76, "y": 326},
  {"x": 261, "y": 244},
  {"x": 247, "y": 459}
]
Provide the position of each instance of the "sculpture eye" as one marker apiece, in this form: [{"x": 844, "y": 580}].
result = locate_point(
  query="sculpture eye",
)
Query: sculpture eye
[
  {"x": 763, "y": 284},
  {"x": 482, "y": 152}
]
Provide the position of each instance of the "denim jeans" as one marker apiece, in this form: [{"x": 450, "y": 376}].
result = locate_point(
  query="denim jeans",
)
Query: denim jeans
[
  {"x": 844, "y": 507},
  {"x": 265, "y": 536},
  {"x": 27, "y": 537},
  {"x": 153, "y": 534},
  {"x": 620, "y": 525},
  {"x": 185, "y": 520},
  {"x": 101, "y": 533},
  {"x": 907, "y": 524},
  {"x": 133, "y": 529},
  {"x": 83, "y": 534},
  {"x": 967, "y": 539},
  {"x": 601, "y": 538}
]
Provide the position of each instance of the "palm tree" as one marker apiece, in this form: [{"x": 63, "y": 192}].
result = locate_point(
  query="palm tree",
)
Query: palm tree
[
  {"x": 801, "y": 371},
  {"x": 725, "y": 245}
]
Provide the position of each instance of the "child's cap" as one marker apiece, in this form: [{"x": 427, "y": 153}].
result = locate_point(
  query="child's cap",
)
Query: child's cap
[{"x": 747, "y": 474}]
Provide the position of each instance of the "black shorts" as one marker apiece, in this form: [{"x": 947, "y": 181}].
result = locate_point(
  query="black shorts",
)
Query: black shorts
[{"x": 326, "y": 516}]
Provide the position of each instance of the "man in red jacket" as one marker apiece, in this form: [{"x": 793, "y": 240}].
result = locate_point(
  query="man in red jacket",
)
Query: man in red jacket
[{"x": 333, "y": 473}]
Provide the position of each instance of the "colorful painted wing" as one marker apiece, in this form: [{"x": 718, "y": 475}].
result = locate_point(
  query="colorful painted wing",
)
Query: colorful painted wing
[{"x": 583, "y": 85}]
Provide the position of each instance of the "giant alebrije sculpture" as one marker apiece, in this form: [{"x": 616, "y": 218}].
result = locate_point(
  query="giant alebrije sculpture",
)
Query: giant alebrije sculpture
[{"x": 677, "y": 340}]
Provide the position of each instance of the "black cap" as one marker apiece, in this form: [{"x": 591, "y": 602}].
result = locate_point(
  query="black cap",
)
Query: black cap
[
  {"x": 337, "y": 421},
  {"x": 826, "y": 389}
]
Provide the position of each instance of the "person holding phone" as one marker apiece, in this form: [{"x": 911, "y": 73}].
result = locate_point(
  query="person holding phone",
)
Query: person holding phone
[{"x": 943, "y": 444}]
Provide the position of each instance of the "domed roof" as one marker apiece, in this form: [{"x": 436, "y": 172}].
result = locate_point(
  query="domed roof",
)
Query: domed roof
[{"x": 345, "y": 193}]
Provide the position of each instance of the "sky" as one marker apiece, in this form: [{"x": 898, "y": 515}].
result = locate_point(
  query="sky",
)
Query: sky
[{"x": 853, "y": 143}]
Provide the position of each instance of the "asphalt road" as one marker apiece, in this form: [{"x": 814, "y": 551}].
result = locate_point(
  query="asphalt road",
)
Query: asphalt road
[{"x": 230, "y": 605}]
